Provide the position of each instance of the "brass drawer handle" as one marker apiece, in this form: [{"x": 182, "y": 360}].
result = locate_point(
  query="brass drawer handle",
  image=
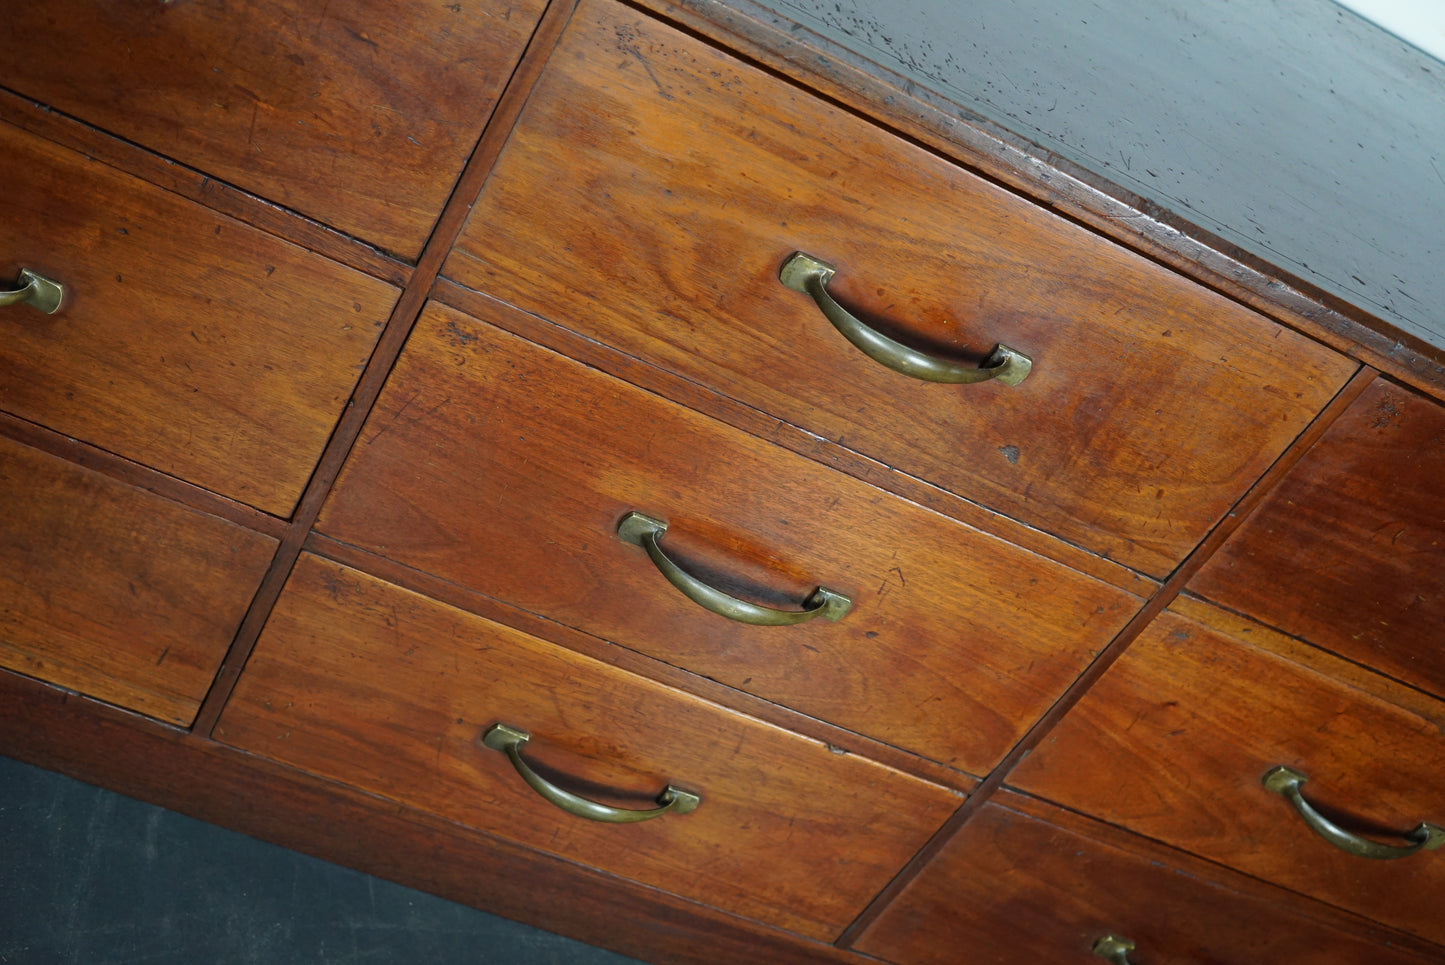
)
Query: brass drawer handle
[
  {"x": 646, "y": 532},
  {"x": 35, "y": 290},
  {"x": 510, "y": 740},
  {"x": 1114, "y": 949},
  {"x": 804, "y": 273},
  {"x": 1286, "y": 782}
]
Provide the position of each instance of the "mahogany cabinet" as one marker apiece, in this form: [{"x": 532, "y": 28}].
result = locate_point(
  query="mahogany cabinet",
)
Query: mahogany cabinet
[{"x": 589, "y": 461}]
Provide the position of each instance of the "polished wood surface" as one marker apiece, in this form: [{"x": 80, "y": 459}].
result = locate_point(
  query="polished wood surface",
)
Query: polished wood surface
[
  {"x": 359, "y": 113},
  {"x": 102, "y": 745},
  {"x": 1349, "y": 551},
  {"x": 110, "y": 591},
  {"x": 188, "y": 341},
  {"x": 369, "y": 684},
  {"x": 1173, "y": 742},
  {"x": 956, "y": 640},
  {"x": 654, "y": 186},
  {"x": 1027, "y": 883}
]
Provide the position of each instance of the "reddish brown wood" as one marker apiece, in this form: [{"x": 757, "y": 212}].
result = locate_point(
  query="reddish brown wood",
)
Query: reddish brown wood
[
  {"x": 956, "y": 642},
  {"x": 1173, "y": 742},
  {"x": 134, "y": 474},
  {"x": 454, "y": 595},
  {"x": 694, "y": 396},
  {"x": 195, "y": 185},
  {"x": 113, "y": 592},
  {"x": 188, "y": 342},
  {"x": 358, "y": 113},
  {"x": 215, "y": 783},
  {"x": 380, "y": 688},
  {"x": 403, "y": 316},
  {"x": 1166, "y": 594},
  {"x": 1044, "y": 887},
  {"x": 889, "y": 99},
  {"x": 1153, "y": 403},
  {"x": 1349, "y": 551}
]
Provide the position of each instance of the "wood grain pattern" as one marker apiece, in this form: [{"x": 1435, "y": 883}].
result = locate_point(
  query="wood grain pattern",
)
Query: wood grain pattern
[
  {"x": 189, "y": 342},
  {"x": 654, "y": 186},
  {"x": 111, "y": 591},
  {"x": 1349, "y": 551},
  {"x": 359, "y": 113},
  {"x": 1173, "y": 741},
  {"x": 506, "y": 468},
  {"x": 1017, "y": 887},
  {"x": 216, "y": 783},
  {"x": 369, "y": 684}
]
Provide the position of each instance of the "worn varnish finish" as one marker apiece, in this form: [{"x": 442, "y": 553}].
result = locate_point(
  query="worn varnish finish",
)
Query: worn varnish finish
[
  {"x": 1172, "y": 743},
  {"x": 366, "y": 683},
  {"x": 188, "y": 341},
  {"x": 1349, "y": 551},
  {"x": 956, "y": 641},
  {"x": 1153, "y": 403},
  {"x": 638, "y": 215},
  {"x": 1022, "y": 882},
  {"x": 116, "y": 593},
  {"x": 359, "y": 113}
]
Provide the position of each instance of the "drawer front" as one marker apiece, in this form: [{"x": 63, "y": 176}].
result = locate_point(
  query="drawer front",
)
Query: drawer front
[
  {"x": 507, "y": 468},
  {"x": 358, "y": 113},
  {"x": 187, "y": 341},
  {"x": 1349, "y": 550},
  {"x": 654, "y": 187},
  {"x": 357, "y": 680},
  {"x": 1012, "y": 887},
  {"x": 114, "y": 592},
  {"x": 1173, "y": 742}
]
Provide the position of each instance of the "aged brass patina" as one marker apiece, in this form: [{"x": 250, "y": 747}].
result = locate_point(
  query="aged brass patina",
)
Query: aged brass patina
[
  {"x": 804, "y": 273},
  {"x": 1114, "y": 949},
  {"x": 35, "y": 290},
  {"x": 645, "y": 531},
  {"x": 1286, "y": 782},
  {"x": 510, "y": 741}
]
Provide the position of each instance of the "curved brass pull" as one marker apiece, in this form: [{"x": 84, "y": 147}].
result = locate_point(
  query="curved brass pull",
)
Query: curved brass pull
[
  {"x": 35, "y": 290},
  {"x": 645, "y": 531},
  {"x": 1286, "y": 782},
  {"x": 804, "y": 273},
  {"x": 1114, "y": 949},
  {"x": 510, "y": 740}
]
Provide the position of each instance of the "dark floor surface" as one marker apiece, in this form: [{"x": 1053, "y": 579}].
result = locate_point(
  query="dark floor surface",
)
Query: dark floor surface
[{"x": 92, "y": 878}]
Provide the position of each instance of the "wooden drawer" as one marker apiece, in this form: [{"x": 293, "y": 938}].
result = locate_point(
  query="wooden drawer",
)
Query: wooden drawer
[
  {"x": 358, "y": 113},
  {"x": 1349, "y": 550},
  {"x": 654, "y": 186},
  {"x": 1174, "y": 741},
  {"x": 378, "y": 687},
  {"x": 188, "y": 341},
  {"x": 1025, "y": 883},
  {"x": 506, "y": 468},
  {"x": 114, "y": 592}
]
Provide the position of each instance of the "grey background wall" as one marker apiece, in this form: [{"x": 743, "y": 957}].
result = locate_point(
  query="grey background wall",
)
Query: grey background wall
[{"x": 88, "y": 877}]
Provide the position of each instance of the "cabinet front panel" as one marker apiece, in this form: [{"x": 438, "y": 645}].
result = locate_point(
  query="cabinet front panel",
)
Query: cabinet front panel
[
  {"x": 116, "y": 593},
  {"x": 1349, "y": 551},
  {"x": 507, "y": 468},
  {"x": 1175, "y": 740},
  {"x": 360, "y": 681},
  {"x": 1011, "y": 887},
  {"x": 654, "y": 187},
  {"x": 358, "y": 113},
  {"x": 187, "y": 341}
]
